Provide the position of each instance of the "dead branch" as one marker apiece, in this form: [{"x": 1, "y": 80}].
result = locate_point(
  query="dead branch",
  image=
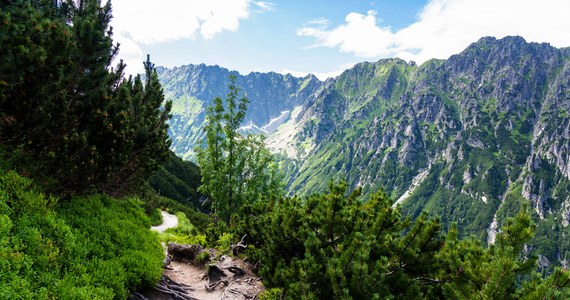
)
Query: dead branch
[
  {"x": 224, "y": 293},
  {"x": 427, "y": 281},
  {"x": 237, "y": 271},
  {"x": 240, "y": 246},
  {"x": 212, "y": 286}
]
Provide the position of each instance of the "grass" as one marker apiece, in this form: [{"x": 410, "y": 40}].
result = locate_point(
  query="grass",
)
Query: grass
[{"x": 184, "y": 233}]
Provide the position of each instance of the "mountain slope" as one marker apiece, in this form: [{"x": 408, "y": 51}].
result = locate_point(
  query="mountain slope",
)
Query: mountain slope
[
  {"x": 468, "y": 139},
  {"x": 178, "y": 180},
  {"x": 193, "y": 87}
]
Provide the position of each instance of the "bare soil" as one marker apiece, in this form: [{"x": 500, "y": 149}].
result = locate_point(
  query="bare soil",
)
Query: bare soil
[
  {"x": 246, "y": 286},
  {"x": 194, "y": 278}
]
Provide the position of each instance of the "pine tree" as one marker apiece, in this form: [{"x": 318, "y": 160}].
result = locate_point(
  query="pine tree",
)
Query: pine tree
[
  {"x": 502, "y": 270},
  {"x": 235, "y": 169},
  {"x": 76, "y": 122},
  {"x": 335, "y": 246}
]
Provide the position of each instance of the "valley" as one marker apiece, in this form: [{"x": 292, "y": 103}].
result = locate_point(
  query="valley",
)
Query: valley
[{"x": 469, "y": 139}]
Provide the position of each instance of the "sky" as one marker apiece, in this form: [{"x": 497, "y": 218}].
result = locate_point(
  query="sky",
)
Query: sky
[{"x": 322, "y": 37}]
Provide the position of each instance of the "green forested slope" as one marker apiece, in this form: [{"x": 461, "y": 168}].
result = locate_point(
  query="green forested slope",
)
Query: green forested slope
[
  {"x": 468, "y": 139},
  {"x": 178, "y": 180}
]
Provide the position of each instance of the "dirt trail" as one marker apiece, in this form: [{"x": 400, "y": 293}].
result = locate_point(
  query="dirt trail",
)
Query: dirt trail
[
  {"x": 168, "y": 221},
  {"x": 246, "y": 286}
]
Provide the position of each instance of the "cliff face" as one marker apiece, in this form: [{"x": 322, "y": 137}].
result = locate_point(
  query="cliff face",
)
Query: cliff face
[
  {"x": 469, "y": 138},
  {"x": 193, "y": 87}
]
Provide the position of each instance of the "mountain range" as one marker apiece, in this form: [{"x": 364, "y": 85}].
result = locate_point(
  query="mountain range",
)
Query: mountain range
[{"x": 471, "y": 139}]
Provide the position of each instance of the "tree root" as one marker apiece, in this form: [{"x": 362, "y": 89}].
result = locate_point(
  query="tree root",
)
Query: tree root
[
  {"x": 240, "y": 246},
  {"x": 212, "y": 286},
  {"x": 174, "y": 289}
]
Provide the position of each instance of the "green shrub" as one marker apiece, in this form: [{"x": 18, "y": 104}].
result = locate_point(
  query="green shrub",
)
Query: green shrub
[
  {"x": 271, "y": 294},
  {"x": 184, "y": 233},
  {"x": 87, "y": 248},
  {"x": 117, "y": 230},
  {"x": 334, "y": 246},
  {"x": 225, "y": 241},
  {"x": 202, "y": 258},
  {"x": 155, "y": 217}
]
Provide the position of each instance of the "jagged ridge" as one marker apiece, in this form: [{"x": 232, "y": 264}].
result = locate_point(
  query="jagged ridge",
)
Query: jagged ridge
[{"x": 468, "y": 138}]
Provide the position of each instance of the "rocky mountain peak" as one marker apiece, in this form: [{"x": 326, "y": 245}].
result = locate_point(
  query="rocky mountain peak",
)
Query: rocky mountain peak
[{"x": 468, "y": 138}]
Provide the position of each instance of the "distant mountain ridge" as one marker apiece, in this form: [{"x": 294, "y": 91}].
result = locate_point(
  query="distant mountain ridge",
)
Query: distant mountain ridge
[
  {"x": 468, "y": 139},
  {"x": 193, "y": 87}
]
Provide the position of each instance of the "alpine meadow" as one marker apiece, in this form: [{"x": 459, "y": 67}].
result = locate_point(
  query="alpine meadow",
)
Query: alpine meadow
[{"x": 393, "y": 179}]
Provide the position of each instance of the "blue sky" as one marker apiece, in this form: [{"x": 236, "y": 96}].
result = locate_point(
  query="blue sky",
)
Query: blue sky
[{"x": 322, "y": 37}]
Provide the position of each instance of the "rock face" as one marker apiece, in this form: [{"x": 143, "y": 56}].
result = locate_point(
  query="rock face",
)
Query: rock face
[
  {"x": 486, "y": 131},
  {"x": 193, "y": 87}
]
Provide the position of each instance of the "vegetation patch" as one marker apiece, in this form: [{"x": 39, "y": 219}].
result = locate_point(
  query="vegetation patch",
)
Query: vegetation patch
[{"x": 92, "y": 247}]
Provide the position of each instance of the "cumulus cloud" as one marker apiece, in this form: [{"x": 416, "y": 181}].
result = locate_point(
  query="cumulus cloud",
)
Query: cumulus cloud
[
  {"x": 445, "y": 27},
  {"x": 151, "y": 21},
  {"x": 131, "y": 54},
  {"x": 360, "y": 35},
  {"x": 137, "y": 22}
]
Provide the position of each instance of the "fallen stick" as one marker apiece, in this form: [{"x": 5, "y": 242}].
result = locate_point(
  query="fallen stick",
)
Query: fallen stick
[{"x": 224, "y": 293}]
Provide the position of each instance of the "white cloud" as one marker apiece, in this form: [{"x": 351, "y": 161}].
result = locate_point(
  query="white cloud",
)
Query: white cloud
[
  {"x": 151, "y": 21},
  {"x": 130, "y": 53},
  {"x": 137, "y": 22},
  {"x": 445, "y": 27},
  {"x": 264, "y": 6},
  {"x": 360, "y": 35},
  {"x": 319, "y": 22}
]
